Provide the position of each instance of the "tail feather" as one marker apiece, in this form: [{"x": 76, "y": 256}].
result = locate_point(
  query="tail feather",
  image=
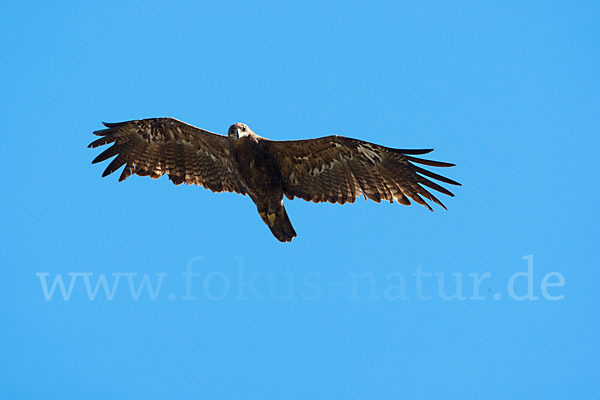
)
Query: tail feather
[{"x": 279, "y": 223}]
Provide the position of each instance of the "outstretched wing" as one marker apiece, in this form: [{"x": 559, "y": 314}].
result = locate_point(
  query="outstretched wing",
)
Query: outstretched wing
[
  {"x": 160, "y": 146},
  {"x": 339, "y": 169}
]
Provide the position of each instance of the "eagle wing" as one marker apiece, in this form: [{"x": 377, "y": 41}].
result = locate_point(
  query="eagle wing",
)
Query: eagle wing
[
  {"x": 160, "y": 146},
  {"x": 339, "y": 169}
]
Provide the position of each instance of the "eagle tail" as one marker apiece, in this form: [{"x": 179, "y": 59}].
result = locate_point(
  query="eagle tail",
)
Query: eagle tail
[{"x": 278, "y": 222}]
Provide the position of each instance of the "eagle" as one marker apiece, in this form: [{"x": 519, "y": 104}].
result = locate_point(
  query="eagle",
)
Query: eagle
[{"x": 333, "y": 169}]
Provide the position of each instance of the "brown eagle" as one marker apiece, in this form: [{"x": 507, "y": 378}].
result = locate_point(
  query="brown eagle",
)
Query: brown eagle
[{"x": 334, "y": 168}]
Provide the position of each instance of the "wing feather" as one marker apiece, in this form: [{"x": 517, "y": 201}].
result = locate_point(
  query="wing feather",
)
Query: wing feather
[
  {"x": 339, "y": 169},
  {"x": 159, "y": 146}
]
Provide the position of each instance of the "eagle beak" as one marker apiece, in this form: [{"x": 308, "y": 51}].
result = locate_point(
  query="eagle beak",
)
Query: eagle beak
[{"x": 240, "y": 133}]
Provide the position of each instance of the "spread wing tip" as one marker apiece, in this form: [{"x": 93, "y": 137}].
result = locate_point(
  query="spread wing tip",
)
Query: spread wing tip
[
  {"x": 431, "y": 163},
  {"x": 414, "y": 151},
  {"x": 105, "y": 134},
  {"x": 112, "y": 124}
]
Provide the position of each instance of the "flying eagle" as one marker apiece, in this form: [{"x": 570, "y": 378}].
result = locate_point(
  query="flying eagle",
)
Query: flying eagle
[{"x": 336, "y": 169}]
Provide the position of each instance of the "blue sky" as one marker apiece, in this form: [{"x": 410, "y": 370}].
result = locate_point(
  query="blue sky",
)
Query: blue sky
[{"x": 353, "y": 307}]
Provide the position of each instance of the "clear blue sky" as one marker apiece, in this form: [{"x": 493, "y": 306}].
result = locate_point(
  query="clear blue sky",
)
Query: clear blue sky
[{"x": 509, "y": 91}]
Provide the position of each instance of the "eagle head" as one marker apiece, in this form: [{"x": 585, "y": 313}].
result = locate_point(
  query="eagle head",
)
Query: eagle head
[{"x": 239, "y": 130}]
